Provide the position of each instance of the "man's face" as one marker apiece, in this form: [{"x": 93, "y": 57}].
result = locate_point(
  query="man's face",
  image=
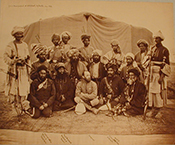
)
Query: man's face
[
  {"x": 65, "y": 39},
  {"x": 61, "y": 70},
  {"x": 132, "y": 78},
  {"x": 56, "y": 40},
  {"x": 129, "y": 60},
  {"x": 96, "y": 58},
  {"x": 110, "y": 72},
  {"x": 86, "y": 42},
  {"x": 18, "y": 35},
  {"x": 116, "y": 48},
  {"x": 158, "y": 40},
  {"x": 142, "y": 47},
  {"x": 42, "y": 74},
  {"x": 75, "y": 56},
  {"x": 42, "y": 56},
  {"x": 87, "y": 76}
]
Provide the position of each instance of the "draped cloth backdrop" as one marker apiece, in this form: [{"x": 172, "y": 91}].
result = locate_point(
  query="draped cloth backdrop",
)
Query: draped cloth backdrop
[{"x": 101, "y": 29}]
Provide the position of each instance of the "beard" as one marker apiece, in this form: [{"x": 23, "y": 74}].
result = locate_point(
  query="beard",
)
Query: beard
[
  {"x": 96, "y": 60},
  {"x": 42, "y": 78}
]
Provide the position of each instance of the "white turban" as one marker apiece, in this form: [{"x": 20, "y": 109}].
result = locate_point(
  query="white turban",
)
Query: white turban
[
  {"x": 130, "y": 54},
  {"x": 17, "y": 29},
  {"x": 115, "y": 42},
  {"x": 66, "y": 33},
  {"x": 159, "y": 34},
  {"x": 97, "y": 51}
]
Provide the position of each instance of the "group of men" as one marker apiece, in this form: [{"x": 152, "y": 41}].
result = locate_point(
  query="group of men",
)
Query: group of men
[{"x": 66, "y": 77}]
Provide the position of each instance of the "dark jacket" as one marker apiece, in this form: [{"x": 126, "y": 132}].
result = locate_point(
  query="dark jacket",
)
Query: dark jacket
[
  {"x": 139, "y": 94},
  {"x": 45, "y": 94},
  {"x": 117, "y": 86}
]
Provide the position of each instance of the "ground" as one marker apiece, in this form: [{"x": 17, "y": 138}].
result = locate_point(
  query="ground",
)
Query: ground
[{"x": 88, "y": 123}]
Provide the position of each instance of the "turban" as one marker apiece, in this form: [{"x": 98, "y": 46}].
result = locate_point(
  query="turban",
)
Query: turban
[
  {"x": 66, "y": 33},
  {"x": 42, "y": 67},
  {"x": 159, "y": 34},
  {"x": 142, "y": 41},
  {"x": 38, "y": 48},
  {"x": 135, "y": 71},
  {"x": 60, "y": 64},
  {"x": 111, "y": 65},
  {"x": 17, "y": 29},
  {"x": 71, "y": 52},
  {"x": 97, "y": 52},
  {"x": 55, "y": 35},
  {"x": 130, "y": 54},
  {"x": 114, "y": 42},
  {"x": 85, "y": 36}
]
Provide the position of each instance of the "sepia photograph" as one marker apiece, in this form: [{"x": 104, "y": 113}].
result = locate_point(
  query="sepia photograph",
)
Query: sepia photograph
[{"x": 87, "y": 72}]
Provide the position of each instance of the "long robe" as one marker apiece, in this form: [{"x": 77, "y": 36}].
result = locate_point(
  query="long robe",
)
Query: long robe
[{"x": 19, "y": 86}]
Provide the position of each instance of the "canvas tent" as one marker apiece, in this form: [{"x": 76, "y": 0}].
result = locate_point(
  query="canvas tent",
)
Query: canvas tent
[{"x": 101, "y": 29}]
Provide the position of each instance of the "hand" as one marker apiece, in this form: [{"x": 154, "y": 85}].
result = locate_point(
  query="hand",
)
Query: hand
[
  {"x": 109, "y": 96},
  {"x": 63, "y": 98},
  {"x": 161, "y": 79},
  {"x": 45, "y": 105},
  {"x": 128, "y": 105},
  {"x": 41, "y": 107}
]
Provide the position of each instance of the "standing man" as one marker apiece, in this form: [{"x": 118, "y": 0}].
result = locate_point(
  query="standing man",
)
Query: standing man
[
  {"x": 16, "y": 56},
  {"x": 75, "y": 67},
  {"x": 86, "y": 93},
  {"x": 87, "y": 50},
  {"x": 64, "y": 89},
  {"x": 160, "y": 69},
  {"x": 65, "y": 38},
  {"x": 96, "y": 68},
  {"x": 111, "y": 88},
  {"x": 42, "y": 94},
  {"x": 56, "y": 44}
]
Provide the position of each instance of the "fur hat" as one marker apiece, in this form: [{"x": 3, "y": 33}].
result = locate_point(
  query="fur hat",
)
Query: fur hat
[
  {"x": 42, "y": 67},
  {"x": 135, "y": 71}
]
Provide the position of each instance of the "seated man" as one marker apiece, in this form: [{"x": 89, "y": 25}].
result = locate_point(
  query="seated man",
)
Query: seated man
[
  {"x": 114, "y": 54},
  {"x": 111, "y": 88},
  {"x": 75, "y": 67},
  {"x": 42, "y": 94},
  {"x": 86, "y": 93},
  {"x": 64, "y": 89},
  {"x": 133, "y": 97},
  {"x": 130, "y": 64},
  {"x": 40, "y": 52}
]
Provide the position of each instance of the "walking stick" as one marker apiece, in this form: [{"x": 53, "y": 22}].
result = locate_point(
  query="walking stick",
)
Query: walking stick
[{"x": 148, "y": 82}]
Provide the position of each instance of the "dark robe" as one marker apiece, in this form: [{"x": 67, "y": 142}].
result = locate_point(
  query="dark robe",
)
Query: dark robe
[
  {"x": 138, "y": 93},
  {"x": 65, "y": 87}
]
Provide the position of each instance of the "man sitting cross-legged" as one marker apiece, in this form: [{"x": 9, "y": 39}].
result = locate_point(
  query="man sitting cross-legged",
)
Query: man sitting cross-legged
[{"x": 86, "y": 94}]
